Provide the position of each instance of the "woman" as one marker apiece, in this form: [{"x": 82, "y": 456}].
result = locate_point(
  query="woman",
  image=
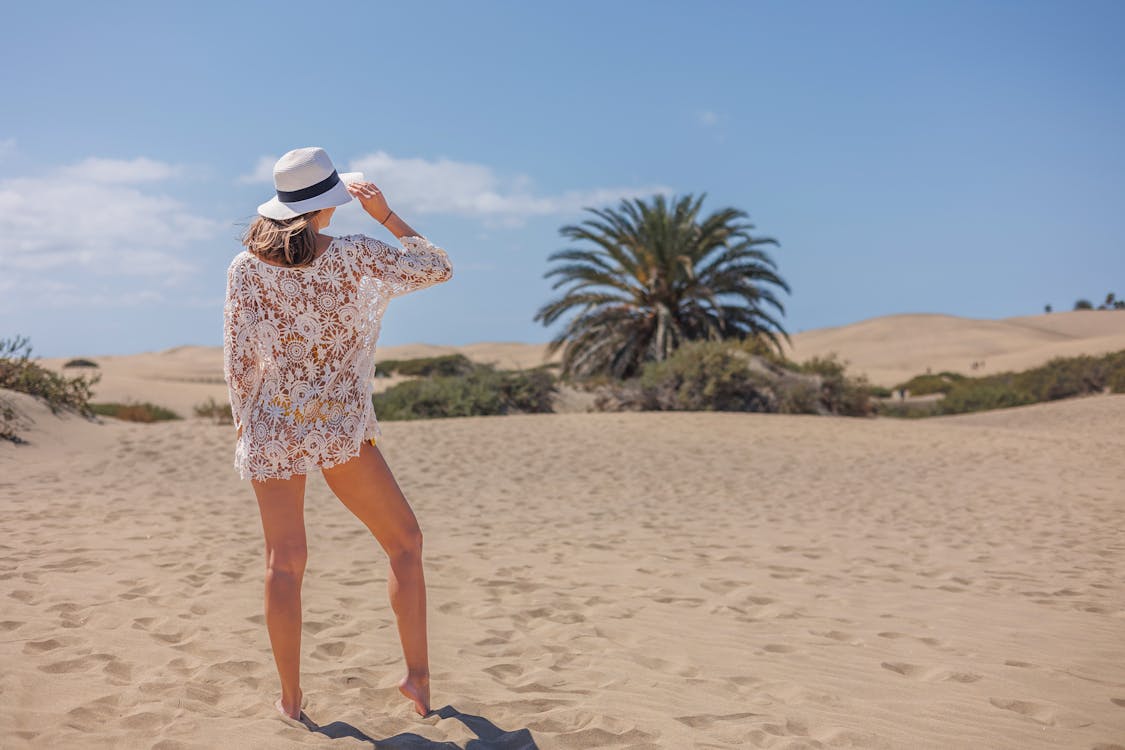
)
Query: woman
[{"x": 301, "y": 320}]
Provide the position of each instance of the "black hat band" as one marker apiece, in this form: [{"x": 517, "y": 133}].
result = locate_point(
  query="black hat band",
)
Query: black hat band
[{"x": 294, "y": 196}]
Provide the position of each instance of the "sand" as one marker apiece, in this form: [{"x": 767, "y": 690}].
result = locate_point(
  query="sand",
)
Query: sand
[
  {"x": 892, "y": 349},
  {"x": 642, "y": 580},
  {"x": 639, "y": 580}
]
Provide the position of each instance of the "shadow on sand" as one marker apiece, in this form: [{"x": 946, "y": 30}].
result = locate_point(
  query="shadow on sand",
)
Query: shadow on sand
[{"x": 489, "y": 736}]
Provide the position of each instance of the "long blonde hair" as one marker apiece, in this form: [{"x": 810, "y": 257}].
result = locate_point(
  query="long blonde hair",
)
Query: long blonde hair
[{"x": 287, "y": 242}]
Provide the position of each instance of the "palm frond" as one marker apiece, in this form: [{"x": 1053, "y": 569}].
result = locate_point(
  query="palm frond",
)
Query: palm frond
[{"x": 658, "y": 274}]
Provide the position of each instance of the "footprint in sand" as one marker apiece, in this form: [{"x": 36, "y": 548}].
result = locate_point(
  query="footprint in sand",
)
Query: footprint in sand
[
  {"x": 933, "y": 642},
  {"x": 929, "y": 674},
  {"x": 1035, "y": 711},
  {"x": 39, "y": 647},
  {"x": 701, "y": 721},
  {"x": 496, "y": 638},
  {"x": 93, "y": 715},
  {"x": 688, "y": 601},
  {"x": 838, "y": 635},
  {"x": 721, "y": 586},
  {"x": 330, "y": 650},
  {"x": 666, "y": 667},
  {"x": 81, "y": 664}
]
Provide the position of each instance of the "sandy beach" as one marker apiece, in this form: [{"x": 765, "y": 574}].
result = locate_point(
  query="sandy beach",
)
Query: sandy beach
[{"x": 596, "y": 580}]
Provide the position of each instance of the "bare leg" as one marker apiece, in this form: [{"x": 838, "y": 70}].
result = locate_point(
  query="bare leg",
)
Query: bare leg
[
  {"x": 282, "y": 505},
  {"x": 367, "y": 488}
]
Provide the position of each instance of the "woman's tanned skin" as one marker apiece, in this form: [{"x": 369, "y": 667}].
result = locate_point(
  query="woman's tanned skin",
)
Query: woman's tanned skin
[{"x": 366, "y": 486}]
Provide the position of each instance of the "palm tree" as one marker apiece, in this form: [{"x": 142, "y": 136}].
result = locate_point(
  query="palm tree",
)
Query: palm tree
[{"x": 659, "y": 276}]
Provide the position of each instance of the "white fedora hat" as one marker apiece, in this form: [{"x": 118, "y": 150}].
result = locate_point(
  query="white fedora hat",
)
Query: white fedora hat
[{"x": 305, "y": 180}]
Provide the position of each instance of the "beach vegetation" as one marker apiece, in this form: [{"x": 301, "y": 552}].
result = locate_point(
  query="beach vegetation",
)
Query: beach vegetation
[
  {"x": 722, "y": 376},
  {"x": 80, "y": 363},
  {"x": 219, "y": 413},
  {"x": 654, "y": 276},
  {"x": 1061, "y": 377},
  {"x": 446, "y": 364},
  {"x": 929, "y": 383},
  {"x": 839, "y": 393},
  {"x": 1111, "y": 303},
  {"x": 60, "y": 393},
  {"x": 133, "y": 411},
  {"x": 483, "y": 391},
  {"x": 11, "y": 421}
]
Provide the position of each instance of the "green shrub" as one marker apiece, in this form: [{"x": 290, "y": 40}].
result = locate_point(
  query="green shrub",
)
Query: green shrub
[
  {"x": 925, "y": 385},
  {"x": 981, "y": 396},
  {"x": 59, "y": 393},
  {"x": 481, "y": 392},
  {"x": 134, "y": 412},
  {"x": 219, "y": 412},
  {"x": 447, "y": 364},
  {"x": 879, "y": 391},
  {"x": 799, "y": 397},
  {"x": 529, "y": 391},
  {"x": 723, "y": 376},
  {"x": 80, "y": 363},
  {"x": 1062, "y": 377},
  {"x": 759, "y": 346},
  {"x": 704, "y": 376},
  {"x": 11, "y": 421},
  {"x": 839, "y": 394},
  {"x": 908, "y": 410},
  {"x": 1116, "y": 381}
]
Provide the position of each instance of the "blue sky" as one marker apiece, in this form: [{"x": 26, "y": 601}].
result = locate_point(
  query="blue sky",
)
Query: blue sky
[{"x": 960, "y": 158}]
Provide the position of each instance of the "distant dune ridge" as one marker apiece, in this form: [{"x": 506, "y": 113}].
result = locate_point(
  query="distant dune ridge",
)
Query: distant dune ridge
[
  {"x": 893, "y": 349},
  {"x": 889, "y": 350}
]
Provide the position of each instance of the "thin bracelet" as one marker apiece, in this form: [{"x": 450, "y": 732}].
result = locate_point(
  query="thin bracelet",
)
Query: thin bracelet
[{"x": 384, "y": 221}]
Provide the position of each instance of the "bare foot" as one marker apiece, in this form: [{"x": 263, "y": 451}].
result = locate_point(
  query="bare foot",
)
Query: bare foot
[
  {"x": 294, "y": 712},
  {"x": 417, "y": 689}
]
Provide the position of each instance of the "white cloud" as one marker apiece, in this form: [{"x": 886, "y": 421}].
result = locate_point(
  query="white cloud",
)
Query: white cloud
[
  {"x": 91, "y": 217},
  {"x": 262, "y": 171},
  {"x": 118, "y": 171},
  {"x": 708, "y": 118},
  {"x": 46, "y": 293},
  {"x": 444, "y": 186},
  {"x": 7, "y": 147}
]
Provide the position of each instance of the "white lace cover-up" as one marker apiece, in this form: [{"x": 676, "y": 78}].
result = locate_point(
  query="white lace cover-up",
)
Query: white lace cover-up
[{"x": 299, "y": 349}]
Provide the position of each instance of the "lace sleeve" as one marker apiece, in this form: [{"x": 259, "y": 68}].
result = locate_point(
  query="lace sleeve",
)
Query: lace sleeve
[
  {"x": 416, "y": 265},
  {"x": 240, "y": 362}
]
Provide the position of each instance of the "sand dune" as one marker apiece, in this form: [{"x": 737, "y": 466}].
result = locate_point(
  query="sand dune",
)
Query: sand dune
[
  {"x": 892, "y": 349},
  {"x": 643, "y": 580},
  {"x": 889, "y": 350}
]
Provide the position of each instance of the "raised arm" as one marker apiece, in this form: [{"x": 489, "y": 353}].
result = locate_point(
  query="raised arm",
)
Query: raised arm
[
  {"x": 417, "y": 265},
  {"x": 375, "y": 204},
  {"x": 240, "y": 361}
]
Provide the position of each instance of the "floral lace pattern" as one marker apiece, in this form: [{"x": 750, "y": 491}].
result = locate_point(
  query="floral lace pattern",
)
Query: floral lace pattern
[{"x": 299, "y": 349}]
